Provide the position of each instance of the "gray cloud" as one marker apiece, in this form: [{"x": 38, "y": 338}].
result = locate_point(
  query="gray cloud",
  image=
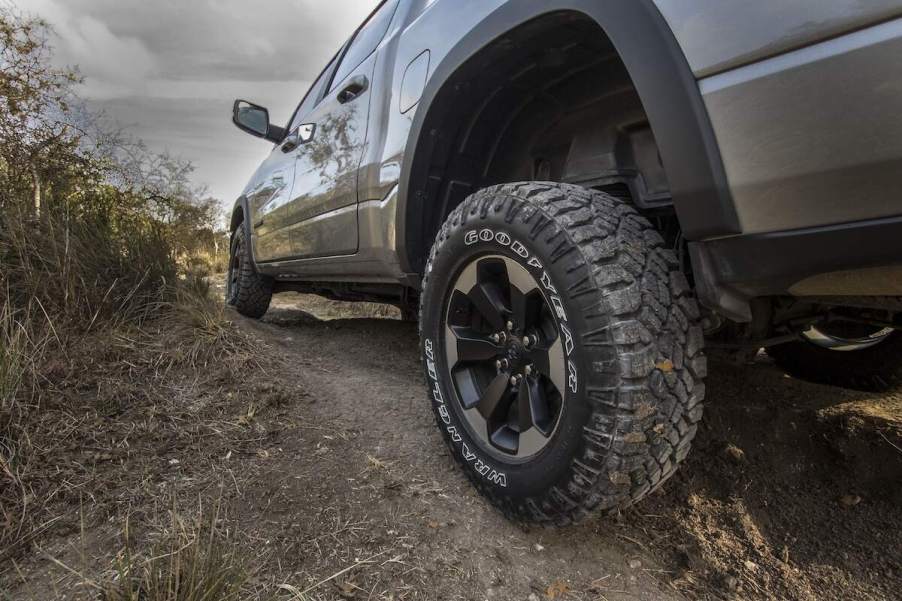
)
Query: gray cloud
[{"x": 169, "y": 69}]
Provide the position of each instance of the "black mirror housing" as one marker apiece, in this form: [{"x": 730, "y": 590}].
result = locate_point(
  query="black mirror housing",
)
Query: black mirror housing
[{"x": 254, "y": 119}]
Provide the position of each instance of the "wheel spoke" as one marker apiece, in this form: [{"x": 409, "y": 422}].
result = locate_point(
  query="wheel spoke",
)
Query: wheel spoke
[
  {"x": 532, "y": 405},
  {"x": 493, "y": 398},
  {"x": 505, "y": 439},
  {"x": 518, "y": 307},
  {"x": 488, "y": 298},
  {"x": 540, "y": 360},
  {"x": 506, "y": 356},
  {"x": 473, "y": 346}
]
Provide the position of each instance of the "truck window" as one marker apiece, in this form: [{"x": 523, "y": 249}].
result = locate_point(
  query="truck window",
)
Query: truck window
[{"x": 365, "y": 41}]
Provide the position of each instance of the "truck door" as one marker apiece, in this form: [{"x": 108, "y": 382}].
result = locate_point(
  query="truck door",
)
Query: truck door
[{"x": 324, "y": 207}]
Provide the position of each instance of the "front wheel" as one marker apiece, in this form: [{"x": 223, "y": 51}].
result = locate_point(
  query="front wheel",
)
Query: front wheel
[
  {"x": 246, "y": 290},
  {"x": 562, "y": 348}
]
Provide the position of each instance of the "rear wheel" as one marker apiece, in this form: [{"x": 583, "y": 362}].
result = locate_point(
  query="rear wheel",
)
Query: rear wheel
[
  {"x": 844, "y": 354},
  {"x": 562, "y": 348},
  {"x": 246, "y": 290}
]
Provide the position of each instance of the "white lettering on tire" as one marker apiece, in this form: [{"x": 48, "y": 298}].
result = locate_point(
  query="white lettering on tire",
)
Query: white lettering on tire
[
  {"x": 521, "y": 250},
  {"x": 481, "y": 466}
]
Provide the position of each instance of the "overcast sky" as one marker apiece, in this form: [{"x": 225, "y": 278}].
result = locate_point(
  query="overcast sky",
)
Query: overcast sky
[{"x": 169, "y": 70}]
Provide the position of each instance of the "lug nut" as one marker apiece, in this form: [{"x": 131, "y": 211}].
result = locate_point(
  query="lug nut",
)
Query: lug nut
[
  {"x": 498, "y": 364},
  {"x": 514, "y": 380},
  {"x": 528, "y": 370},
  {"x": 503, "y": 364},
  {"x": 510, "y": 326},
  {"x": 495, "y": 338}
]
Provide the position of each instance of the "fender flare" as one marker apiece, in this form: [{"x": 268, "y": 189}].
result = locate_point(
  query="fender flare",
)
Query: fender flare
[
  {"x": 663, "y": 80},
  {"x": 241, "y": 218}
]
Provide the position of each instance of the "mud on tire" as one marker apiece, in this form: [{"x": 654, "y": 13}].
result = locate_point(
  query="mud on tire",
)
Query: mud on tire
[
  {"x": 634, "y": 356},
  {"x": 246, "y": 290}
]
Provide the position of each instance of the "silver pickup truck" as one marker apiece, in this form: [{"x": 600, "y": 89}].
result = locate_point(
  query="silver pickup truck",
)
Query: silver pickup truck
[{"x": 575, "y": 198}]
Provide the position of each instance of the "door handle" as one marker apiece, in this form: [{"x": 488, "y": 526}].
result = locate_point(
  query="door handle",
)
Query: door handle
[
  {"x": 356, "y": 86},
  {"x": 290, "y": 142}
]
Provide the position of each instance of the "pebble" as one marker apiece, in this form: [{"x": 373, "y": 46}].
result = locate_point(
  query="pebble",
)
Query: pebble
[
  {"x": 735, "y": 454},
  {"x": 850, "y": 500},
  {"x": 731, "y": 582}
]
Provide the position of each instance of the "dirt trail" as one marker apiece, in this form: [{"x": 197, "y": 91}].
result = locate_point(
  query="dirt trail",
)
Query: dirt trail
[
  {"x": 793, "y": 490},
  {"x": 334, "y": 478},
  {"x": 381, "y": 464}
]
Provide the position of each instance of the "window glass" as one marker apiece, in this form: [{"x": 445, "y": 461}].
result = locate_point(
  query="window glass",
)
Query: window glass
[
  {"x": 310, "y": 98},
  {"x": 365, "y": 42}
]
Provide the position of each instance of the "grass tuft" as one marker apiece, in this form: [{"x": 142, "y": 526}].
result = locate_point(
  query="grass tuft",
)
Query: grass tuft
[{"x": 194, "y": 560}]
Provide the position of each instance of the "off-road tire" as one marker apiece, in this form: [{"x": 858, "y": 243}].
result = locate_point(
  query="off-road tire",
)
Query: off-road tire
[
  {"x": 246, "y": 290},
  {"x": 637, "y": 350},
  {"x": 874, "y": 369}
]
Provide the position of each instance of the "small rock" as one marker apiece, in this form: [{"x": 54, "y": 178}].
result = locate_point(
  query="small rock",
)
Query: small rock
[
  {"x": 532, "y": 597},
  {"x": 849, "y": 500},
  {"x": 731, "y": 582},
  {"x": 635, "y": 564},
  {"x": 751, "y": 566},
  {"x": 538, "y": 547},
  {"x": 735, "y": 454},
  {"x": 665, "y": 366}
]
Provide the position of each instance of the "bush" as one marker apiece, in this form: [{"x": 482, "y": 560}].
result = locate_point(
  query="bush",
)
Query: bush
[
  {"x": 97, "y": 236},
  {"x": 69, "y": 274}
]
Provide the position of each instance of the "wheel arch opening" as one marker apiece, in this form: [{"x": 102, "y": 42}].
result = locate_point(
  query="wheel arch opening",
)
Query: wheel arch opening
[
  {"x": 237, "y": 217},
  {"x": 550, "y": 100}
]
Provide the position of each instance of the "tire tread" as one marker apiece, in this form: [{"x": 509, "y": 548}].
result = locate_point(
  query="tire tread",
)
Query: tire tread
[
  {"x": 254, "y": 291},
  {"x": 643, "y": 318}
]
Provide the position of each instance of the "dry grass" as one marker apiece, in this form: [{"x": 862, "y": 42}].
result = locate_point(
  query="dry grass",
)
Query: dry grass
[
  {"x": 194, "y": 559},
  {"x": 13, "y": 356},
  {"x": 18, "y": 355},
  {"x": 72, "y": 274},
  {"x": 94, "y": 316},
  {"x": 128, "y": 407}
]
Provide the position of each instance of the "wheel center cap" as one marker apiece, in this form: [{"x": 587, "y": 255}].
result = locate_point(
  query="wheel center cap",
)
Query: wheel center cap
[{"x": 516, "y": 352}]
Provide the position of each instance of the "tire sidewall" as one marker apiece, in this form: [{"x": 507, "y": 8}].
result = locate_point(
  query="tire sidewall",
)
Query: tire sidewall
[
  {"x": 467, "y": 239},
  {"x": 235, "y": 247}
]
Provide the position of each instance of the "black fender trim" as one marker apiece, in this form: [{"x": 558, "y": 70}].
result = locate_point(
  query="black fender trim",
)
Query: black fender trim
[
  {"x": 730, "y": 271},
  {"x": 664, "y": 82},
  {"x": 243, "y": 206}
]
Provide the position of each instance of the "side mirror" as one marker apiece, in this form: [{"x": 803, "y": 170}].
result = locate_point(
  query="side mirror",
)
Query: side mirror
[{"x": 254, "y": 120}]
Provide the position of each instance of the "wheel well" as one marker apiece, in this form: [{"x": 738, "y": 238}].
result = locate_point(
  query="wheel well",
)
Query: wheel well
[
  {"x": 550, "y": 100},
  {"x": 237, "y": 217}
]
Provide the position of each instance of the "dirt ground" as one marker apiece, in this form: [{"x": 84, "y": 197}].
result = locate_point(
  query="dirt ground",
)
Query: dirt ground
[{"x": 333, "y": 470}]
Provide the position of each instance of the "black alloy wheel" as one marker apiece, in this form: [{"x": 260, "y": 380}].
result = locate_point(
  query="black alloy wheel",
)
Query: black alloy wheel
[{"x": 505, "y": 356}]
